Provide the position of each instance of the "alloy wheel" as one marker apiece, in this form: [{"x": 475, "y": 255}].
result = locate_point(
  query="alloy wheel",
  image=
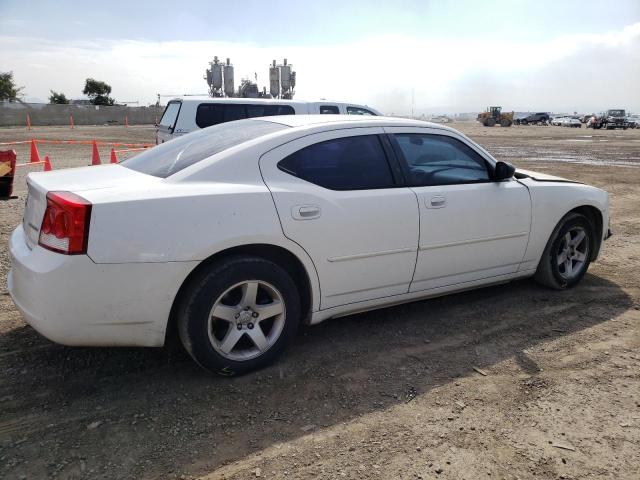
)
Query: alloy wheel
[{"x": 246, "y": 320}]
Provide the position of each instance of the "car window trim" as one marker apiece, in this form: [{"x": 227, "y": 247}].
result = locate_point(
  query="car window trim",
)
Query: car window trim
[
  {"x": 394, "y": 162},
  {"x": 405, "y": 164}
]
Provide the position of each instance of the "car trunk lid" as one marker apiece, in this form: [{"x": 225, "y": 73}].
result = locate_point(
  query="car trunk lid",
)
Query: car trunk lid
[{"x": 76, "y": 180}]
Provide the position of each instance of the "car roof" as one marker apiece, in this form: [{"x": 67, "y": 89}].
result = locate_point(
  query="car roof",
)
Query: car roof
[
  {"x": 276, "y": 101},
  {"x": 342, "y": 121}
]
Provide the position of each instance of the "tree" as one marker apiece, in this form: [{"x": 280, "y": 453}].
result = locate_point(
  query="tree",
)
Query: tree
[
  {"x": 98, "y": 92},
  {"x": 8, "y": 89},
  {"x": 59, "y": 98}
]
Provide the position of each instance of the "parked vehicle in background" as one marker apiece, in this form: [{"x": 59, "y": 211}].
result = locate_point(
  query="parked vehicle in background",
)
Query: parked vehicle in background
[
  {"x": 233, "y": 235},
  {"x": 540, "y": 118},
  {"x": 571, "y": 122},
  {"x": 188, "y": 114},
  {"x": 558, "y": 120},
  {"x": 585, "y": 118},
  {"x": 440, "y": 119},
  {"x": 633, "y": 121},
  {"x": 611, "y": 119}
]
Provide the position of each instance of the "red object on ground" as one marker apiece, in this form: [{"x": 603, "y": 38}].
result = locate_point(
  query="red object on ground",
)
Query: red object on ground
[
  {"x": 28, "y": 122},
  {"x": 71, "y": 121},
  {"x": 95, "y": 155},
  {"x": 114, "y": 159},
  {"x": 47, "y": 164},
  {"x": 126, "y": 121},
  {"x": 7, "y": 172},
  {"x": 35, "y": 156}
]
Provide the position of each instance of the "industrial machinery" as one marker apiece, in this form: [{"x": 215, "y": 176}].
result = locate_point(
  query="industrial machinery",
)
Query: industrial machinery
[
  {"x": 494, "y": 115},
  {"x": 220, "y": 78}
]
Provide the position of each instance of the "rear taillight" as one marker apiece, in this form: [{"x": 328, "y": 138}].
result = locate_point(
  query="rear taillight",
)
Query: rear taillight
[{"x": 65, "y": 226}]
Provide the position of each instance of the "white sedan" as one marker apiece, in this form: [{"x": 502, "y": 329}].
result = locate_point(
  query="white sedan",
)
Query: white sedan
[{"x": 232, "y": 236}]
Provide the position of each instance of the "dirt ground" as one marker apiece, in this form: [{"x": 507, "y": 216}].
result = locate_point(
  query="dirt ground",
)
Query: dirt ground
[{"x": 507, "y": 382}]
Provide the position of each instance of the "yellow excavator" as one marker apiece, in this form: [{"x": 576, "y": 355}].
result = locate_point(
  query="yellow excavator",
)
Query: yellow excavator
[{"x": 494, "y": 115}]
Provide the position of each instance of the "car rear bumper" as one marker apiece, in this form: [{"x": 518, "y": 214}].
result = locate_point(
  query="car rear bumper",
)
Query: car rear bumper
[{"x": 73, "y": 301}]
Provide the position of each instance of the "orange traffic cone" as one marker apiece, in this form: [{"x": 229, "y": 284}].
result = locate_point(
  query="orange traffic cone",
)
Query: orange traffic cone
[
  {"x": 35, "y": 156},
  {"x": 114, "y": 159},
  {"x": 47, "y": 164},
  {"x": 95, "y": 155}
]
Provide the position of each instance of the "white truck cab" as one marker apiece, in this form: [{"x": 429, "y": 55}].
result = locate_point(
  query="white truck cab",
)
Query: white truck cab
[{"x": 186, "y": 114}]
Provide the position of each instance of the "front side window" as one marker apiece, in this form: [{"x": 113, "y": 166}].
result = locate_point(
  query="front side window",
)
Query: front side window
[
  {"x": 349, "y": 163},
  {"x": 439, "y": 160},
  {"x": 170, "y": 115},
  {"x": 329, "y": 109},
  {"x": 359, "y": 111}
]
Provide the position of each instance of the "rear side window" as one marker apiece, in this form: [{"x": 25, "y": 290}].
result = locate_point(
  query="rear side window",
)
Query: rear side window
[
  {"x": 349, "y": 163},
  {"x": 170, "y": 114},
  {"x": 208, "y": 114},
  {"x": 439, "y": 160},
  {"x": 329, "y": 109},
  {"x": 359, "y": 111},
  {"x": 269, "y": 110},
  {"x": 168, "y": 158}
]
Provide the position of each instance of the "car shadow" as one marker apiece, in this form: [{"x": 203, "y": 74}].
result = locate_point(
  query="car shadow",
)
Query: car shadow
[{"x": 152, "y": 411}]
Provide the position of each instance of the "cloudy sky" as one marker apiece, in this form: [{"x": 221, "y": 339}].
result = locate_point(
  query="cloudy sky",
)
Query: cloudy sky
[{"x": 450, "y": 56}]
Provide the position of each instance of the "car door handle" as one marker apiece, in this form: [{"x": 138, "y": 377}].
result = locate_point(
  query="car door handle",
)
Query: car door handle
[
  {"x": 437, "y": 201},
  {"x": 305, "y": 212}
]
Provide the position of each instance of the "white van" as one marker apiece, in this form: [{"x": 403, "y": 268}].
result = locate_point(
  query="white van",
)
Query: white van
[{"x": 184, "y": 115}]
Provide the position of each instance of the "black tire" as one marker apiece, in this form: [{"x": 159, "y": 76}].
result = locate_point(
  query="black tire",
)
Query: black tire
[
  {"x": 490, "y": 122},
  {"x": 548, "y": 272},
  {"x": 203, "y": 291},
  {"x": 505, "y": 123}
]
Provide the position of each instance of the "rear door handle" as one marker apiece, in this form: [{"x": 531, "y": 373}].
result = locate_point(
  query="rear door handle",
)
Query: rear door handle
[
  {"x": 305, "y": 212},
  {"x": 437, "y": 201}
]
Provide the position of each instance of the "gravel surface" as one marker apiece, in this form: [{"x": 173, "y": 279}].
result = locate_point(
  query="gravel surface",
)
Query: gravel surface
[{"x": 512, "y": 381}]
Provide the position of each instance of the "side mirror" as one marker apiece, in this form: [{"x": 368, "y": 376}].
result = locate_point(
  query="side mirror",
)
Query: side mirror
[{"x": 503, "y": 171}]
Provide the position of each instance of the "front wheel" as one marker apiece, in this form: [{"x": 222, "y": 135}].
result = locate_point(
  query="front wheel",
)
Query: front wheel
[
  {"x": 567, "y": 255},
  {"x": 238, "y": 315}
]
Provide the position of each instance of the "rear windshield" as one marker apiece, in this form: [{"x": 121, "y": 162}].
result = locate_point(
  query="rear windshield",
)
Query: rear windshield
[
  {"x": 170, "y": 114},
  {"x": 170, "y": 157},
  {"x": 209, "y": 114}
]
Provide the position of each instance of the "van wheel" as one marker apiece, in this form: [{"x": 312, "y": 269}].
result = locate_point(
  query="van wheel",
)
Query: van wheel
[
  {"x": 567, "y": 255},
  {"x": 238, "y": 315}
]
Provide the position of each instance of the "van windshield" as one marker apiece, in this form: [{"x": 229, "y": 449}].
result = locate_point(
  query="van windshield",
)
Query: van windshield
[
  {"x": 170, "y": 114},
  {"x": 170, "y": 157}
]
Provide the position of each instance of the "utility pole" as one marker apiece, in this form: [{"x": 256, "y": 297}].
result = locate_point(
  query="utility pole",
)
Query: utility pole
[{"x": 412, "y": 100}]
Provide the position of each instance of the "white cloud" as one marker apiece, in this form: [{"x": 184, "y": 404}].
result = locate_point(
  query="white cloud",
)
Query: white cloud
[{"x": 581, "y": 72}]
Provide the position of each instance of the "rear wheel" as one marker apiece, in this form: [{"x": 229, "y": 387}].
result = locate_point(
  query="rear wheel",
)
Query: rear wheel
[
  {"x": 490, "y": 122},
  {"x": 567, "y": 255},
  {"x": 505, "y": 123},
  {"x": 238, "y": 315}
]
